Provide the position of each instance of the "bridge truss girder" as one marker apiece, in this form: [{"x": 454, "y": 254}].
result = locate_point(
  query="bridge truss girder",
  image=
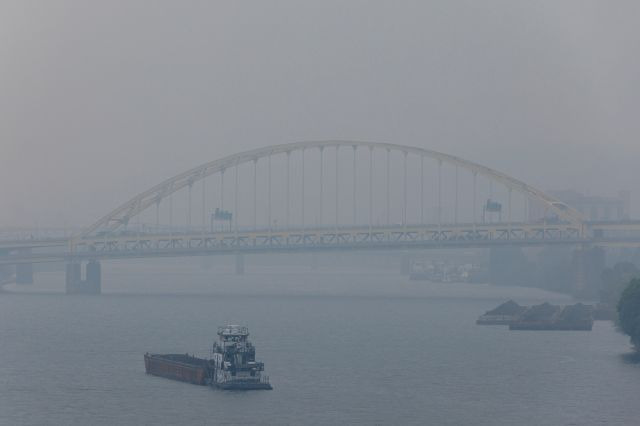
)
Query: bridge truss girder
[{"x": 325, "y": 239}]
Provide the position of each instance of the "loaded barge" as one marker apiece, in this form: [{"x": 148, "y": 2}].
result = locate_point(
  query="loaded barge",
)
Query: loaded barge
[
  {"x": 232, "y": 364},
  {"x": 540, "y": 317}
]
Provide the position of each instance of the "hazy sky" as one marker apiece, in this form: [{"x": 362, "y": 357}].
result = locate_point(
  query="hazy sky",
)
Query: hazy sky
[{"x": 101, "y": 99}]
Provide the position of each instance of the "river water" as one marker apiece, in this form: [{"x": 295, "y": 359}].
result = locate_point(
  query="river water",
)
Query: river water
[{"x": 341, "y": 346}]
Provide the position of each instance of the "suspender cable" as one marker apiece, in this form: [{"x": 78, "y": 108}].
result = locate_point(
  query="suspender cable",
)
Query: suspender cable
[
  {"x": 235, "y": 200},
  {"x": 171, "y": 213},
  {"x": 222, "y": 190},
  {"x": 288, "y": 185},
  {"x": 222, "y": 195},
  {"x": 404, "y": 189},
  {"x": 422, "y": 189},
  {"x": 509, "y": 209},
  {"x": 370, "y": 190},
  {"x": 255, "y": 192},
  {"x": 204, "y": 205},
  {"x": 388, "y": 186},
  {"x": 475, "y": 190},
  {"x": 157, "y": 215},
  {"x": 355, "y": 147},
  {"x": 439, "y": 193},
  {"x": 302, "y": 198},
  {"x": 455, "y": 209},
  {"x": 321, "y": 183},
  {"x": 189, "y": 208},
  {"x": 269, "y": 193},
  {"x": 336, "y": 194}
]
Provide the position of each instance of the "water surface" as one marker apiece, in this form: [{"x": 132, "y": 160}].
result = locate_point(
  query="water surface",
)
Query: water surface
[{"x": 340, "y": 346}]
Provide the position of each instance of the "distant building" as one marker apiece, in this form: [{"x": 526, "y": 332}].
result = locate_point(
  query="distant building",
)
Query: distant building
[{"x": 593, "y": 208}]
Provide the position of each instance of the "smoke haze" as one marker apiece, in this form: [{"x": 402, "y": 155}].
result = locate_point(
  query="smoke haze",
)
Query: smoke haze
[{"x": 101, "y": 100}]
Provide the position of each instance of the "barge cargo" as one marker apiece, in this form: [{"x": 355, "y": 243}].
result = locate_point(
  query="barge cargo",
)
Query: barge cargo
[
  {"x": 577, "y": 317},
  {"x": 185, "y": 368},
  {"x": 504, "y": 314},
  {"x": 540, "y": 317}
]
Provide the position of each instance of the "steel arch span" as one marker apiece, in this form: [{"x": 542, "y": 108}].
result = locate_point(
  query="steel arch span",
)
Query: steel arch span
[{"x": 123, "y": 214}]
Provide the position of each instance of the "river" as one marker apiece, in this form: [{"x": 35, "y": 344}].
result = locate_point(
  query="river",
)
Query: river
[{"x": 341, "y": 346}]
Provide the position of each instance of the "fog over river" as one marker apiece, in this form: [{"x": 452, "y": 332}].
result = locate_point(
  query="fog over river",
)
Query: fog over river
[{"x": 341, "y": 345}]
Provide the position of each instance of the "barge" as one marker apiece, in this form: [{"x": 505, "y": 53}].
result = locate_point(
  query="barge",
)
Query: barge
[
  {"x": 504, "y": 314},
  {"x": 186, "y": 368},
  {"x": 550, "y": 317},
  {"x": 232, "y": 365},
  {"x": 540, "y": 317}
]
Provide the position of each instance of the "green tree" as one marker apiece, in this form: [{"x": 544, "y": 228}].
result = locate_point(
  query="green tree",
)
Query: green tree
[
  {"x": 615, "y": 280},
  {"x": 629, "y": 312}
]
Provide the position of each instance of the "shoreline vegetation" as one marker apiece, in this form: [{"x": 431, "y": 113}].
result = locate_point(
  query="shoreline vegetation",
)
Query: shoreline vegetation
[{"x": 628, "y": 321}]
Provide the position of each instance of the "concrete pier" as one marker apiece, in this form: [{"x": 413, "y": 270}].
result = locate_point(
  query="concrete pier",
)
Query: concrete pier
[
  {"x": 239, "y": 264},
  {"x": 406, "y": 264},
  {"x": 24, "y": 271},
  {"x": 587, "y": 264},
  {"x": 508, "y": 266},
  {"x": 92, "y": 284}
]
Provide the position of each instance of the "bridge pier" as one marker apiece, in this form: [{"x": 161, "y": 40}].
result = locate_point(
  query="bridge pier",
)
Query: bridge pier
[
  {"x": 405, "y": 264},
  {"x": 508, "y": 265},
  {"x": 92, "y": 284},
  {"x": 587, "y": 264},
  {"x": 24, "y": 271},
  {"x": 239, "y": 264}
]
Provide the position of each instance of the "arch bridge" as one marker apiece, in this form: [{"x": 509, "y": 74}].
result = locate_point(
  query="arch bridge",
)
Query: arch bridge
[
  {"x": 322, "y": 195},
  {"x": 328, "y": 195}
]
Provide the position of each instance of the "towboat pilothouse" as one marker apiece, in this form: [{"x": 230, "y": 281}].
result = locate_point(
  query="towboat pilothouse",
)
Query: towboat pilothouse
[{"x": 234, "y": 361}]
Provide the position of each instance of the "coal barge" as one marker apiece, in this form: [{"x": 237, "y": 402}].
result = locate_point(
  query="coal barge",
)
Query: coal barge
[
  {"x": 540, "y": 317},
  {"x": 232, "y": 365}
]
